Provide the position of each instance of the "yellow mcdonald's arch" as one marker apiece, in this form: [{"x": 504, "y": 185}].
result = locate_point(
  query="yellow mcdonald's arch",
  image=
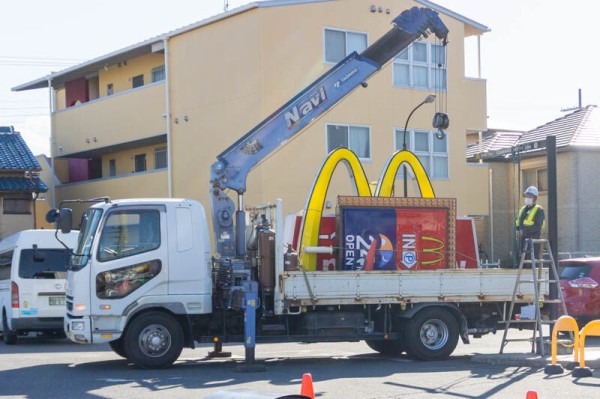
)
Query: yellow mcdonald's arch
[
  {"x": 309, "y": 231},
  {"x": 437, "y": 250},
  {"x": 388, "y": 175}
]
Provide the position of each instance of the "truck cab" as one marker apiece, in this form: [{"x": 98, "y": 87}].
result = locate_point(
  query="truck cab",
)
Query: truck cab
[{"x": 137, "y": 254}]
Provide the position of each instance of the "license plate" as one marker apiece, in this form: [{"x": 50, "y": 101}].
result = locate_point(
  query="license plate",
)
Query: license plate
[{"x": 57, "y": 301}]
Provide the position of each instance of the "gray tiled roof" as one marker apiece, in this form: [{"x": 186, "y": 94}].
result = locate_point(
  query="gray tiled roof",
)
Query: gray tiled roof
[
  {"x": 579, "y": 128},
  {"x": 22, "y": 184},
  {"x": 15, "y": 155}
]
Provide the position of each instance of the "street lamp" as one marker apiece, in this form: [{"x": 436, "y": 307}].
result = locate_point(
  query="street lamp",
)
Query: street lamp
[{"x": 429, "y": 99}]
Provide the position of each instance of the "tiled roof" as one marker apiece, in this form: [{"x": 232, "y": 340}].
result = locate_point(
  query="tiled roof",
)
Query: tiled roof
[
  {"x": 579, "y": 128},
  {"x": 15, "y": 155},
  {"x": 22, "y": 184}
]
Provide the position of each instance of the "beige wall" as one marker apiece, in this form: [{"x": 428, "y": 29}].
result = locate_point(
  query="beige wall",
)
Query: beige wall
[
  {"x": 228, "y": 76},
  {"x": 10, "y": 224},
  {"x": 255, "y": 73}
]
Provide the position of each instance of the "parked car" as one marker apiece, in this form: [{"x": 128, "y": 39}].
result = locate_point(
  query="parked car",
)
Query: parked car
[{"x": 580, "y": 283}]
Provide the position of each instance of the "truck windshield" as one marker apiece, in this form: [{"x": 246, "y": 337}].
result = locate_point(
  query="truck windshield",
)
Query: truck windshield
[
  {"x": 89, "y": 224},
  {"x": 43, "y": 263}
]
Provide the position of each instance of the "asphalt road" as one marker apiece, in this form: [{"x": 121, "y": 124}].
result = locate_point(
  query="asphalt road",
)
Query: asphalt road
[{"x": 50, "y": 368}]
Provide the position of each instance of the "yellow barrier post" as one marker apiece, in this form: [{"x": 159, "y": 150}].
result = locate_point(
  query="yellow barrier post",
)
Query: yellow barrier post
[
  {"x": 591, "y": 328},
  {"x": 564, "y": 323}
]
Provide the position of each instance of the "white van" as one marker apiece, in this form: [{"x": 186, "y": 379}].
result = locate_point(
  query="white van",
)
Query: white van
[{"x": 32, "y": 282}]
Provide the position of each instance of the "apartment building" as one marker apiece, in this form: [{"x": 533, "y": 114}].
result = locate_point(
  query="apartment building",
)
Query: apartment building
[{"x": 149, "y": 120}]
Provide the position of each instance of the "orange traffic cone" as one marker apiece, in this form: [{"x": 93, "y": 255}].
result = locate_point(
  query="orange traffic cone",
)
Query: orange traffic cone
[
  {"x": 531, "y": 395},
  {"x": 307, "y": 386}
]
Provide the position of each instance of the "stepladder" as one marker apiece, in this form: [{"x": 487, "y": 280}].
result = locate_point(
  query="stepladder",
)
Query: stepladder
[{"x": 537, "y": 267}]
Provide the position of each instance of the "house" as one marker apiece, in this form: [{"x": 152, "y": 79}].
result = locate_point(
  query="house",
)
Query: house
[
  {"x": 20, "y": 184},
  {"x": 149, "y": 120},
  {"x": 578, "y": 160}
]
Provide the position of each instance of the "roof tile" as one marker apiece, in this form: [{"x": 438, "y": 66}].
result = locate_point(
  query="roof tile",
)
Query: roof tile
[{"x": 15, "y": 154}]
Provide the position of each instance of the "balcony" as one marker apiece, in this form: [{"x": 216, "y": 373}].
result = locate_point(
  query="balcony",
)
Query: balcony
[
  {"x": 473, "y": 104},
  {"x": 125, "y": 117},
  {"x": 150, "y": 184}
]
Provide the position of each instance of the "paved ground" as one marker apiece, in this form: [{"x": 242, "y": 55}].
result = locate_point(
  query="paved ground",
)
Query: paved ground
[{"x": 48, "y": 369}]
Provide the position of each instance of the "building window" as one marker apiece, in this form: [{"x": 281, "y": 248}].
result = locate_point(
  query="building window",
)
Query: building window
[
  {"x": 112, "y": 167},
  {"x": 17, "y": 206},
  {"x": 109, "y": 89},
  {"x": 140, "y": 162},
  {"x": 356, "y": 138},
  {"x": 535, "y": 177},
  {"x": 137, "y": 81},
  {"x": 160, "y": 158},
  {"x": 422, "y": 65},
  {"x": 158, "y": 74},
  {"x": 431, "y": 151},
  {"x": 340, "y": 43}
]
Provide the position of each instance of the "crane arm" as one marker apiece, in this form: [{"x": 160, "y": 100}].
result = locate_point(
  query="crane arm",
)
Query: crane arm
[{"x": 233, "y": 165}]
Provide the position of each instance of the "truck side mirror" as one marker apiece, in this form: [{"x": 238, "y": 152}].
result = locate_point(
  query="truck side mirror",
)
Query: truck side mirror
[{"x": 65, "y": 220}]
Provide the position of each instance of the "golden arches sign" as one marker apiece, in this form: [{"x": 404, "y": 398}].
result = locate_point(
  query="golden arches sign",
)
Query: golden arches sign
[{"x": 311, "y": 222}]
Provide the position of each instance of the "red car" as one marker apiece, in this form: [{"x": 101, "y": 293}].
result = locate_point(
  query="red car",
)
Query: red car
[{"x": 580, "y": 283}]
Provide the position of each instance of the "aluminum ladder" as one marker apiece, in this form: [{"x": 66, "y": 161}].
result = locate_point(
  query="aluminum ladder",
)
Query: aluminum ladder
[{"x": 538, "y": 277}]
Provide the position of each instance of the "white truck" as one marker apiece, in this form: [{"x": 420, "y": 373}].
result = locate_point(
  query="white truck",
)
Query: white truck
[{"x": 144, "y": 279}]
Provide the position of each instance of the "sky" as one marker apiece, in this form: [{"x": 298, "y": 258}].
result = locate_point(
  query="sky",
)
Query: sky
[{"x": 535, "y": 58}]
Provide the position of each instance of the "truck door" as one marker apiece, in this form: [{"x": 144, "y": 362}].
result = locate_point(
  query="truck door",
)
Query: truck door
[{"x": 131, "y": 258}]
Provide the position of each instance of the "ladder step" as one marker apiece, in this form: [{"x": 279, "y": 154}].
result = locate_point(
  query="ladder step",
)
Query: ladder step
[
  {"x": 520, "y": 321},
  {"x": 518, "y": 340}
]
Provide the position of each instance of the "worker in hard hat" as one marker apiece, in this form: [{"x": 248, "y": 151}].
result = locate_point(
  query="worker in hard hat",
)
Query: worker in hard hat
[{"x": 531, "y": 220}]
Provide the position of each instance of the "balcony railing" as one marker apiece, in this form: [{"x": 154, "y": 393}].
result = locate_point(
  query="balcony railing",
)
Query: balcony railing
[{"x": 127, "y": 116}]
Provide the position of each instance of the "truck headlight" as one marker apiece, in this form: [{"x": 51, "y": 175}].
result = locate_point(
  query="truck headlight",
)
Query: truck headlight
[{"x": 77, "y": 326}]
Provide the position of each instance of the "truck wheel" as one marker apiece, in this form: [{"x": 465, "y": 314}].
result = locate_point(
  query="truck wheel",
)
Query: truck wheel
[
  {"x": 153, "y": 340},
  {"x": 432, "y": 334},
  {"x": 387, "y": 348},
  {"x": 118, "y": 347},
  {"x": 8, "y": 336}
]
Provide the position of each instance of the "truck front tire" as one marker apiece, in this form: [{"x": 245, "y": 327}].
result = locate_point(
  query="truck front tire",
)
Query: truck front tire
[
  {"x": 432, "y": 334},
  {"x": 118, "y": 347},
  {"x": 153, "y": 340}
]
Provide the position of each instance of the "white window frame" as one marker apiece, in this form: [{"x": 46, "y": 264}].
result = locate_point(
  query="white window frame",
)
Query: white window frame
[
  {"x": 432, "y": 69},
  {"x": 347, "y": 51},
  {"x": 349, "y": 146},
  {"x": 155, "y": 71},
  {"x": 410, "y": 136},
  {"x": 162, "y": 151}
]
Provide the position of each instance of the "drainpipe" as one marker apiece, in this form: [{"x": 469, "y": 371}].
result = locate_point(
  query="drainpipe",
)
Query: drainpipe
[
  {"x": 168, "y": 119},
  {"x": 491, "y": 182},
  {"x": 51, "y": 103}
]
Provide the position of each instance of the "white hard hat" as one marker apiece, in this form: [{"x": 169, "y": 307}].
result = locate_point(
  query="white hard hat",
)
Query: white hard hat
[{"x": 532, "y": 190}]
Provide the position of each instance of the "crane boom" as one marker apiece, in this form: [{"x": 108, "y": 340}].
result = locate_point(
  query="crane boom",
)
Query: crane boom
[{"x": 233, "y": 165}]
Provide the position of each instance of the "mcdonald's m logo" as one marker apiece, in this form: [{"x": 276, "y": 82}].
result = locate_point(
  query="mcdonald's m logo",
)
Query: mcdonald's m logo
[{"x": 309, "y": 231}]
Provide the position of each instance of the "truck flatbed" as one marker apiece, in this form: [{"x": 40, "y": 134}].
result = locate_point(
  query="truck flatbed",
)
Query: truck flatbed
[{"x": 399, "y": 286}]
